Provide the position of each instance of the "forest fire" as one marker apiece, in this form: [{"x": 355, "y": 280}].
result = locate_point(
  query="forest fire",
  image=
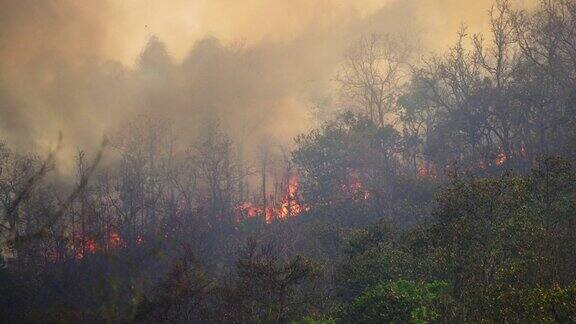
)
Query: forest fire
[
  {"x": 115, "y": 240},
  {"x": 397, "y": 162},
  {"x": 501, "y": 158},
  {"x": 355, "y": 188},
  {"x": 249, "y": 209},
  {"x": 289, "y": 205},
  {"x": 84, "y": 246},
  {"x": 427, "y": 170},
  {"x": 89, "y": 247}
]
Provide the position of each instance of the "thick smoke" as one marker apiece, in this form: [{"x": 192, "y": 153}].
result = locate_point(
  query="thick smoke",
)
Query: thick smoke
[{"x": 86, "y": 68}]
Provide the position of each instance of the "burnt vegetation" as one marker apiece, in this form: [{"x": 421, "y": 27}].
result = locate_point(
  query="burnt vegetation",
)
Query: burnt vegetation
[{"x": 442, "y": 191}]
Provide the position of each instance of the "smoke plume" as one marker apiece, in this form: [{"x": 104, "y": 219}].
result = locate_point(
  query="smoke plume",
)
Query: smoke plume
[{"x": 85, "y": 68}]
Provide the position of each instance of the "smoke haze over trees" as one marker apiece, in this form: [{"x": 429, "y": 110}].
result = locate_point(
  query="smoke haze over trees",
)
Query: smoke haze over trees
[{"x": 84, "y": 69}]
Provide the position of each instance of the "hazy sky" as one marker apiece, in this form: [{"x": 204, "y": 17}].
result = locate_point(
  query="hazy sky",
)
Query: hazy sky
[
  {"x": 76, "y": 65},
  {"x": 180, "y": 22}
]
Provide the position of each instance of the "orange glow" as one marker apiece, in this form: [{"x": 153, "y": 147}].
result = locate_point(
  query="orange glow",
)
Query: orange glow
[
  {"x": 270, "y": 214},
  {"x": 81, "y": 247},
  {"x": 90, "y": 246},
  {"x": 249, "y": 209},
  {"x": 427, "y": 171},
  {"x": 355, "y": 188},
  {"x": 501, "y": 158},
  {"x": 115, "y": 240},
  {"x": 289, "y": 205}
]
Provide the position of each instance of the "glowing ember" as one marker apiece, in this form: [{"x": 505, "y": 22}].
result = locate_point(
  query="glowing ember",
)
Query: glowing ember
[
  {"x": 427, "y": 171},
  {"x": 270, "y": 214},
  {"x": 355, "y": 188},
  {"x": 249, "y": 209},
  {"x": 115, "y": 240},
  {"x": 289, "y": 205},
  {"x": 90, "y": 246},
  {"x": 82, "y": 246},
  {"x": 501, "y": 158},
  {"x": 422, "y": 172}
]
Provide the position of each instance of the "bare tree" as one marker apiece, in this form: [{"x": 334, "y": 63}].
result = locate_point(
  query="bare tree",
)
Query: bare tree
[
  {"x": 213, "y": 154},
  {"x": 146, "y": 148},
  {"x": 370, "y": 76}
]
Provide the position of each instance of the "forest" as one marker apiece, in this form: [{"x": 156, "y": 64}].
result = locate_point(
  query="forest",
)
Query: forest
[{"x": 442, "y": 189}]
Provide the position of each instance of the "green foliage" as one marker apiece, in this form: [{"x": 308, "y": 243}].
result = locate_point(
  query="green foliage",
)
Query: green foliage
[
  {"x": 310, "y": 320},
  {"x": 268, "y": 288},
  {"x": 552, "y": 305},
  {"x": 180, "y": 297},
  {"x": 398, "y": 302},
  {"x": 497, "y": 237},
  {"x": 496, "y": 241},
  {"x": 373, "y": 256}
]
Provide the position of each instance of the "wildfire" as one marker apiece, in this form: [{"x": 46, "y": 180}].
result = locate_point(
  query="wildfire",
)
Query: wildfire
[
  {"x": 501, "y": 158},
  {"x": 115, "y": 241},
  {"x": 427, "y": 171},
  {"x": 89, "y": 247},
  {"x": 355, "y": 187},
  {"x": 289, "y": 205},
  {"x": 249, "y": 209},
  {"x": 270, "y": 214},
  {"x": 83, "y": 246}
]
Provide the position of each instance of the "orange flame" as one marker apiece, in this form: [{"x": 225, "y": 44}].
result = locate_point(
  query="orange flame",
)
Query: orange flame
[
  {"x": 501, "y": 158},
  {"x": 249, "y": 209},
  {"x": 115, "y": 241},
  {"x": 289, "y": 205},
  {"x": 355, "y": 188},
  {"x": 90, "y": 246},
  {"x": 427, "y": 171}
]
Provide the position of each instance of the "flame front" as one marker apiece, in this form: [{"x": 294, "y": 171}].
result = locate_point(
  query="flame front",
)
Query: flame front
[
  {"x": 501, "y": 158},
  {"x": 289, "y": 206}
]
